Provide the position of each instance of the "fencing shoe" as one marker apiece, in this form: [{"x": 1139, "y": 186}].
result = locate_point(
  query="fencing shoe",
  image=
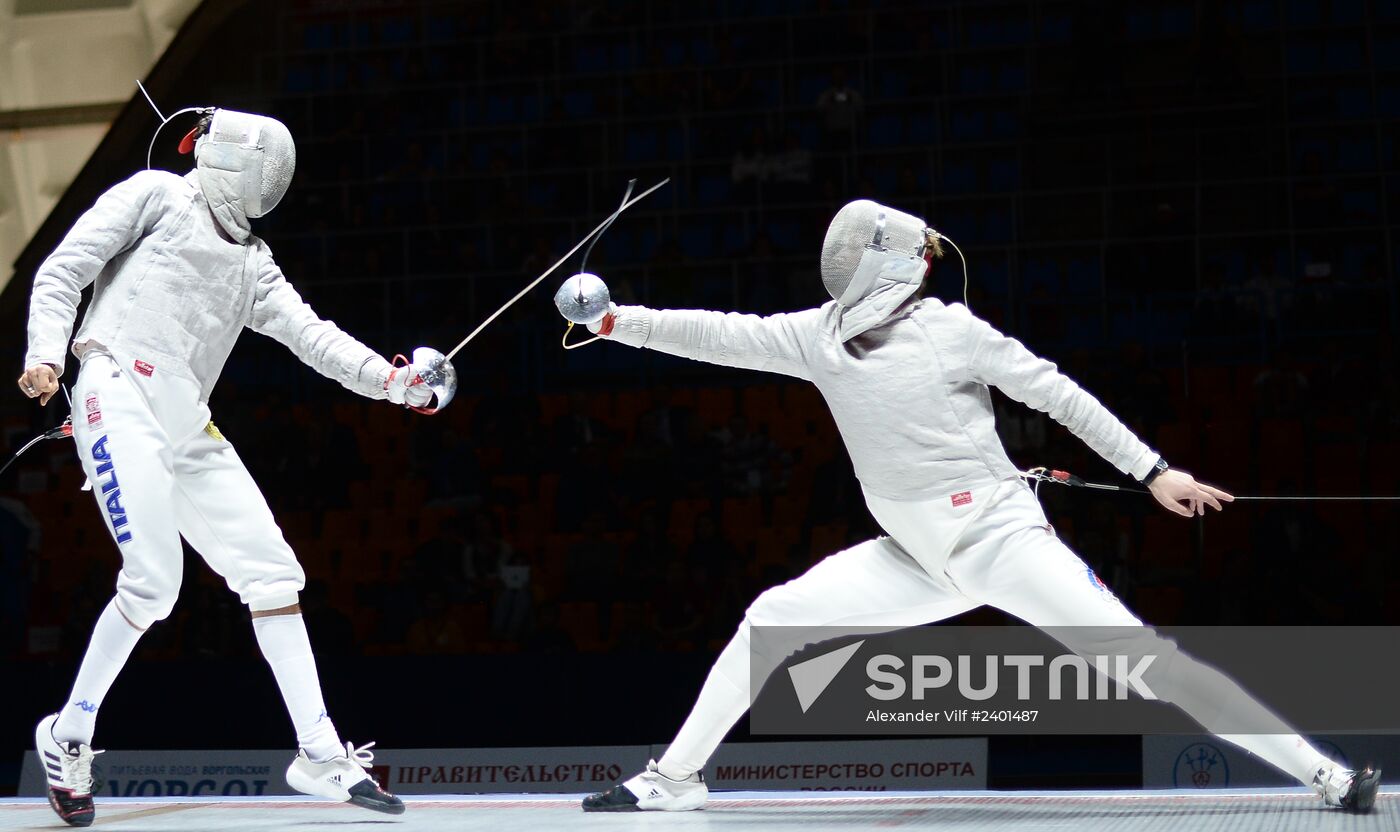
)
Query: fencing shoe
[
  {"x": 68, "y": 770},
  {"x": 1354, "y": 791},
  {"x": 651, "y": 791},
  {"x": 343, "y": 778}
]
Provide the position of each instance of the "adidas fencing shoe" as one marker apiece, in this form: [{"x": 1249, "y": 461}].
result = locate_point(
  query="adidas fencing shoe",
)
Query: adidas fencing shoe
[
  {"x": 651, "y": 791},
  {"x": 68, "y": 771},
  {"x": 344, "y": 779},
  {"x": 1354, "y": 791}
]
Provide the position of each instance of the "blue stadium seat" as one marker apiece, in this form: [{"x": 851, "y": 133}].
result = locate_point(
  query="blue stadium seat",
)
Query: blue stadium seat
[
  {"x": 958, "y": 178},
  {"x": 1004, "y": 175},
  {"x": 1257, "y": 15},
  {"x": 1304, "y": 58},
  {"x": 967, "y": 125},
  {"x": 922, "y": 127},
  {"x": 885, "y": 131},
  {"x": 641, "y": 144},
  {"x": 1304, "y": 13},
  {"x": 579, "y": 104},
  {"x": 1056, "y": 28},
  {"x": 697, "y": 239},
  {"x": 1345, "y": 55},
  {"x": 712, "y": 189}
]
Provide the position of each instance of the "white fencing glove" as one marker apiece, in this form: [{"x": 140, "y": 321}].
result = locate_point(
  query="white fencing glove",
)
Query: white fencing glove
[{"x": 405, "y": 385}]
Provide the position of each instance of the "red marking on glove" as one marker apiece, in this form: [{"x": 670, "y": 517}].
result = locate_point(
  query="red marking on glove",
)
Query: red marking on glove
[{"x": 609, "y": 321}]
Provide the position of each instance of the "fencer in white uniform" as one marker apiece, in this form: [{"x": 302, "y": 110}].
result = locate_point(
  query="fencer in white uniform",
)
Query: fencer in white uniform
[
  {"x": 178, "y": 274},
  {"x": 907, "y": 381}
]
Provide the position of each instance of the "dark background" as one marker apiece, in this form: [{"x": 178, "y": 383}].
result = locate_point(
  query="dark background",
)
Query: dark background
[{"x": 1185, "y": 204}]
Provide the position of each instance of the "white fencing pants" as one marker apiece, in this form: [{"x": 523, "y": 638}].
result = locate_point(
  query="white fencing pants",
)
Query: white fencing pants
[
  {"x": 950, "y": 557},
  {"x": 159, "y": 470}
]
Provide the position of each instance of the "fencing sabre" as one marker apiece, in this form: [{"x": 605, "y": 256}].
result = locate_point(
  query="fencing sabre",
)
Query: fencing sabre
[
  {"x": 562, "y": 260},
  {"x": 1043, "y": 475}
]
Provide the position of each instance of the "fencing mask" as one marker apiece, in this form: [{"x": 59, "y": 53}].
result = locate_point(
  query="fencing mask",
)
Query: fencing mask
[
  {"x": 863, "y": 237},
  {"x": 245, "y": 164}
]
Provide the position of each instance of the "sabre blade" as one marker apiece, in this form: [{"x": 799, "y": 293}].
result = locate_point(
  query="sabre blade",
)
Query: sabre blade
[{"x": 562, "y": 260}]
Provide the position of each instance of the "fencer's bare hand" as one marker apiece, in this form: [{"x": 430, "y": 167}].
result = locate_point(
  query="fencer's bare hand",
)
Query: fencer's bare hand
[
  {"x": 39, "y": 382},
  {"x": 1179, "y": 492}
]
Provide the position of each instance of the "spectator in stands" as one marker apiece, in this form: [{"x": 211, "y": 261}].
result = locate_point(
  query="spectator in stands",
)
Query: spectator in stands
[
  {"x": 841, "y": 106},
  {"x": 454, "y": 476},
  {"x": 397, "y": 599},
  {"x": 709, "y": 548},
  {"x": 590, "y": 569},
  {"x": 641, "y": 568},
  {"x": 435, "y": 630},
  {"x": 548, "y": 635},
  {"x": 579, "y": 495},
  {"x": 1281, "y": 389},
  {"x": 677, "y": 614},
  {"x": 747, "y": 458},
  {"x": 483, "y": 555},
  {"x": 512, "y": 613},
  {"x": 442, "y": 557}
]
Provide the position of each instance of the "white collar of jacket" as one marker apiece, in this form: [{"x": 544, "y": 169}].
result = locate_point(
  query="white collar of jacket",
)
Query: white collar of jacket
[
  {"x": 891, "y": 278},
  {"x": 223, "y": 191}
]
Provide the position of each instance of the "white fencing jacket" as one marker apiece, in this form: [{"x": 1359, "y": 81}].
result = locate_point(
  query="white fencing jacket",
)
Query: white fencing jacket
[
  {"x": 908, "y": 386},
  {"x": 174, "y": 293}
]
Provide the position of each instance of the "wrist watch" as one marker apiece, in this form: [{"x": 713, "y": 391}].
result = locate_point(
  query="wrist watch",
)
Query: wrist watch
[{"x": 1157, "y": 470}]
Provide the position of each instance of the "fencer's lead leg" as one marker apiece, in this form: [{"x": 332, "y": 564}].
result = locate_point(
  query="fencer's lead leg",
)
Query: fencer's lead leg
[
  {"x": 286, "y": 646},
  {"x": 873, "y": 585},
  {"x": 223, "y": 514},
  {"x": 723, "y": 700}
]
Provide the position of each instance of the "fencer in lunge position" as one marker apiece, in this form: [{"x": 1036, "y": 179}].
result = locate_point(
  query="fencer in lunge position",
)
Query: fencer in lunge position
[
  {"x": 907, "y": 382},
  {"x": 178, "y": 275}
]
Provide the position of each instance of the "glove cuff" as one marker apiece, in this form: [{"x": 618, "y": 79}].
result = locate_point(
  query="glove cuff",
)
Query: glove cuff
[{"x": 631, "y": 325}]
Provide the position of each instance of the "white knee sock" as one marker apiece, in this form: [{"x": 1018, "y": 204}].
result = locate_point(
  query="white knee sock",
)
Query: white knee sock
[
  {"x": 112, "y": 642},
  {"x": 287, "y": 649},
  {"x": 1290, "y": 753},
  {"x": 1221, "y": 705},
  {"x": 723, "y": 699}
]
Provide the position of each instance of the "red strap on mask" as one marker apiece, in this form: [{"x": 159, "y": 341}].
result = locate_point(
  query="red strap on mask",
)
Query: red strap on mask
[{"x": 187, "y": 143}]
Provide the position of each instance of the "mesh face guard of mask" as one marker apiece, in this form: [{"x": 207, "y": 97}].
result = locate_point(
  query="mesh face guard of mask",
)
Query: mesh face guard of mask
[
  {"x": 863, "y": 239},
  {"x": 258, "y": 149}
]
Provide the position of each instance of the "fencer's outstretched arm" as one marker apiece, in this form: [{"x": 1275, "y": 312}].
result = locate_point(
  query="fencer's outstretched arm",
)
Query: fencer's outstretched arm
[
  {"x": 119, "y": 218},
  {"x": 281, "y": 314},
  {"x": 1004, "y": 363},
  {"x": 775, "y": 343}
]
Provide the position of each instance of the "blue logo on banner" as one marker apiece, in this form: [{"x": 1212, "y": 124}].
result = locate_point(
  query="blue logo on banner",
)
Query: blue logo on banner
[{"x": 1201, "y": 766}]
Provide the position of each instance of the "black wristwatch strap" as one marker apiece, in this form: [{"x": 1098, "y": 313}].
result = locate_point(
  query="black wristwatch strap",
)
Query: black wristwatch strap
[{"x": 1157, "y": 470}]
